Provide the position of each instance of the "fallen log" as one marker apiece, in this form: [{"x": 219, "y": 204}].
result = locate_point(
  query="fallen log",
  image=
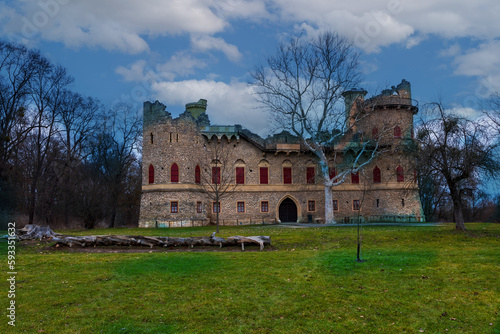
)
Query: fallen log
[
  {"x": 126, "y": 240},
  {"x": 39, "y": 232}
]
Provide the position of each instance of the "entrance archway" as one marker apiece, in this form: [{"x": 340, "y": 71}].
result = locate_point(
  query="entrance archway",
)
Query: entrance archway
[{"x": 288, "y": 211}]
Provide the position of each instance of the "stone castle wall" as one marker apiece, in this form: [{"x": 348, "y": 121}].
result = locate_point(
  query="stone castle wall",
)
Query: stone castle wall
[{"x": 184, "y": 142}]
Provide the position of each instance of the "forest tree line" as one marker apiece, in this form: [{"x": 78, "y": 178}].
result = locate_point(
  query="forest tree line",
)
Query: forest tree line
[{"x": 65, "y": 159}]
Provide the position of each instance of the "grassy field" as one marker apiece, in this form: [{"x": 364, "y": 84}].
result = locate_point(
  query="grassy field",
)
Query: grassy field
[{"x": 429, "y": 279}]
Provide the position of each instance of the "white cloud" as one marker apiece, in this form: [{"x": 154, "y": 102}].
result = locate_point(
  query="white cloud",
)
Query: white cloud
[
  {"x": 484, "y": 63},
  {"x": 206, "y": 43},
  {"x": 126, "y": 25},
  {"x": 228, "y": 104},
  {"x": 452, "y": 51},
  {"x": 180, "y": 64},
  {"x": 134, "y": 73},
  {"x": 113, "y": 24}
]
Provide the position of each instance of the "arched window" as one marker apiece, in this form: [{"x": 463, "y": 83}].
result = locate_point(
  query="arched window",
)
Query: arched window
[
  {"x": 264, "y": 172},
  {"x": 333, "y": 172},
  {"x": 377, "y": 178},
  {"x": 287, "y": 175},
  {"x": 355, "y": 177},
  {"x": 287, "y": 172},
  {"x": 399, "y": 174},
  {"x": 240, "y": 175},
  {"x": 310, "y": 175},
  {"x": 397, "y": 132},
  {"x": 151, "y": 174},
  {"x": 240, "y": 171},
  {"x": 174, "y": 173},
  {"x": 197, "y": 175},
  {"x": 215, "y": 175}
]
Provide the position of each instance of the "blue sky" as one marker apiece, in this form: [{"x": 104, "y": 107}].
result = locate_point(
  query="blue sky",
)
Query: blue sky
[{"x": 178, "y": 51}]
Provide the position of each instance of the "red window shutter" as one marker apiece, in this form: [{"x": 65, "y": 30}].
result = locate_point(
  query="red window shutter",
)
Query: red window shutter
[
  {"x": 240, "y": 175},
  {"x": 333, "y": 172},
  {"x": 397, "y": 132},
  {"x": 355, "y": 177},
  {"x": 399, "y": 174},
  {"x": 310, "y": 175},
  {"x": 151, "y": 174},
  {"x": 197, "y": 175},
  {"x": 216, "y": 175},
  {"x": 264, "y": 175},
  {"x": 375, "y": 133},
  {"x": 377, "y": 178},
  {"x": 174, "y": 173},
  {"x": 287, "y": 175}
]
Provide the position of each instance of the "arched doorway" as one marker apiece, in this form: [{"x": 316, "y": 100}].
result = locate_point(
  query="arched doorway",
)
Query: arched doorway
[{"x": 288, "y": 211}]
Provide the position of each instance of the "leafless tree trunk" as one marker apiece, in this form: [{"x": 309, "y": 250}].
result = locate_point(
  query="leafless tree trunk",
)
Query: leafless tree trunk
[
  {"x": 301, "y": 86},
  {"x": 217, "y": 178},
  {"x": 457, "y": 149}
]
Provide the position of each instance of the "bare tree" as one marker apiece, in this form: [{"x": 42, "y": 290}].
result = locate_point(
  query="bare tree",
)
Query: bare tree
[
  {"x": 458, "y": 150},
  {"x": 217, "y": 173},
  {"x": 302, "y": 86},
  {"x": 18, "y": 66},
  {"x": 78, "y": 119},
  {"x": 114, "y": 151},
  {"x": 46, "y": 90}
]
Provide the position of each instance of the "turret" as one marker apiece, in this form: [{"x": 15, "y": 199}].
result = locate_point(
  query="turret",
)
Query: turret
[
  {"x": 351, "y": 95},
  {"x": 197, "y": 108}
]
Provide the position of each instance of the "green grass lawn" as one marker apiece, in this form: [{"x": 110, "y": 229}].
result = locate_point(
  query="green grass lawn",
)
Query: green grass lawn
[{"x": 429, "y": 279}]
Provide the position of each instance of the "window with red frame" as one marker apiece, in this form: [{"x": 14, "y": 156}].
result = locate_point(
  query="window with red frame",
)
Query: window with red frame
[
  {"x": 377, "y": 177},
  {"x": 240, "y": 175},
  {"x": 332, "y": 172},
  {"x": 287, "y": 175},
  {"x": 375, "y": 133},
  {"x": 397, "y": 132},
  {"x": 264, "y": 206},
  {"x": 355, "y": 204},
  {"x": 197, "y": 175},
  {"x": 216, "y": 175},
  {"x": 335, "y": 205},
  {"x": 174, "y": 207},
  {"x": 311, "y": 206},
  {"x": 151, "y": 174},
  {"x": 310, "y": 174},
  {"x": 355, "y": 177},
  {"x": 174, "y": 173},
  {"x": 264, "y": 175},
  {"x": 241, "y": 207},
  {"x": 399, "y": 174},
  {"x": 199, "y": 207}
]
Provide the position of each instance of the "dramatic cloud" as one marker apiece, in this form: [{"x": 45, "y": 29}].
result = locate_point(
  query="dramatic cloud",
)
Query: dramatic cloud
[{"x": 206, "y": 43}]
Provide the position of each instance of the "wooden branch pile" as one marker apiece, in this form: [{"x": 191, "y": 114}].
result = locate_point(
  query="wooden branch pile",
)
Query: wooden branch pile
[
  {"x": 30, "y": 232},
  {"x": 138, "y": 240}
]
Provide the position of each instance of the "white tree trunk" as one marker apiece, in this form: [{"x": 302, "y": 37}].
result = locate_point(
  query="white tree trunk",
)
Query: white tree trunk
[
  {"x": 325, "y": 173},
  {"x": 329, "y": 218}
]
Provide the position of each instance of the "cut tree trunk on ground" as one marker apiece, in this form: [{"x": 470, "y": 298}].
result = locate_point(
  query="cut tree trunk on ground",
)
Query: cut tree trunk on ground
[
  {"x": 35, "y": 232},
  {"x": 138, "y": 240}
]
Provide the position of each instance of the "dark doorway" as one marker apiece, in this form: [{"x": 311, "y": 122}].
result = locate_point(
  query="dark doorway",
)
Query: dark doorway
[{"x": 288, "y": 211}]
